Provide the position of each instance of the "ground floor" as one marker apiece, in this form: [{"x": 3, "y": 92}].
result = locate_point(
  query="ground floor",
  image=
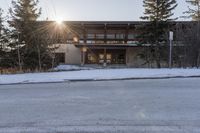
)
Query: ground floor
[{"x": 128, "y": 56}]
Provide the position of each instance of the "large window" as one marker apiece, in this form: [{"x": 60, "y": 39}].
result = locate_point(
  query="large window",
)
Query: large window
[
  {"x": 111, "y": 56},
  {"x": 120, "y": 36},
  {"x": 99, "y": 36},
  {"x": 110, "y": 36},
  {"x": 60, "y": 58},
  {"x": 132, "y": 36},
  {"x": 91, "y": 36},
  {"x": 92, "y": 59}
]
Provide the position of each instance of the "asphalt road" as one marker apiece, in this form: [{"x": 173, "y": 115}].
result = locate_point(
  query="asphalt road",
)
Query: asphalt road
[{"x": 142, "y": 106}]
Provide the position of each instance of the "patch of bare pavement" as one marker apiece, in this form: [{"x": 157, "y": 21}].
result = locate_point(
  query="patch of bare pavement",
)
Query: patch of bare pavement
[{"x": 141, "y": 106}]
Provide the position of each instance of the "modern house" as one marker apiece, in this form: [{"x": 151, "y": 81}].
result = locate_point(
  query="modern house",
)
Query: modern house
[{"x": 103, "y": 43}]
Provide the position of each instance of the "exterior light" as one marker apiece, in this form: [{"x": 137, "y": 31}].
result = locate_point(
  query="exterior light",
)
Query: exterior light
[
  {"x": 75, "y": 39},
  {"x": 84, "y": 49}
]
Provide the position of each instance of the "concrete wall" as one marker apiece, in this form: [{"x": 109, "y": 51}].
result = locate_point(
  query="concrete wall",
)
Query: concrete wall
[{"x": 72, "y": 53}]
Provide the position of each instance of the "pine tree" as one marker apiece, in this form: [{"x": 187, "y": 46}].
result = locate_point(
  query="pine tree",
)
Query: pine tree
[
  {"x": 4, "y": 42},
  {"x": 158, "y": 13},
  {"x": 1, "y": 38},
  {"x": 193, "y": 12},
  {"x": 1, "y": 27},
  {"x": 24, "y": 19}
]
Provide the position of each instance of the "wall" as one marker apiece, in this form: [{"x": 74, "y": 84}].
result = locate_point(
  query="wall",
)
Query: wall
[{"x": 72, "y": 53}]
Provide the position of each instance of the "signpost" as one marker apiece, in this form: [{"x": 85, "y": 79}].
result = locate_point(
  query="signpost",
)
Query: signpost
[{"x": 171, "y": 38}]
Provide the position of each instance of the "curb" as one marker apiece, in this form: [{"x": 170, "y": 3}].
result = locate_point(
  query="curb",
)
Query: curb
[{"x": 93, "y": 80}]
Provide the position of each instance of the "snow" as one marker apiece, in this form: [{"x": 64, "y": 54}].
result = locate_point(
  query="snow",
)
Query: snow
[
  {"x": 97, "y": 74},
  {"x": 70, "y": 68}
]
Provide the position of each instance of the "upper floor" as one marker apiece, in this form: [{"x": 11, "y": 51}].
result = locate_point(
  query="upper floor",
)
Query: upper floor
[{"x": 117, "y": 33}]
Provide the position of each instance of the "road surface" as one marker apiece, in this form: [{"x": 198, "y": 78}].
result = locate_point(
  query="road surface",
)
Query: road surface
[{"x": 142, "y": 106}]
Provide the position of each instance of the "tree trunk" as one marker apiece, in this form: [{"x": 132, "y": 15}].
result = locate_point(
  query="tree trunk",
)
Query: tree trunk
[
  {"x": 39, "y": 58},
  {"x": 19, "y": 55},
  {"x": 158, "y": 57}
]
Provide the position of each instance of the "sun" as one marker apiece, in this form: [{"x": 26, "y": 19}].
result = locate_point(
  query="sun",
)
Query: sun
[{"x": 59, "y": 21}]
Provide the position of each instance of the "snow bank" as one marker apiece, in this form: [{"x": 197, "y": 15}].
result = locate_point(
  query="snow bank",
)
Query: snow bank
[
  {"x": 97, "y": 74},
  {"x": 70, "y": 68}
]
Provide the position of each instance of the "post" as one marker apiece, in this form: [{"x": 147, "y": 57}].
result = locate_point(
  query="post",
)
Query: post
[
  {"x": 105, "y": 58},
  {"x": 83, "y": 58},
  {"x": 171, "y": 37},
  {"x": 53, "y": 57},
  {"x": 84, "y": 50}
]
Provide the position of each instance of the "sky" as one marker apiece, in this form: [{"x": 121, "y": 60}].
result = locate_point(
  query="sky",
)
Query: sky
[{"x": 94, "y": 10}]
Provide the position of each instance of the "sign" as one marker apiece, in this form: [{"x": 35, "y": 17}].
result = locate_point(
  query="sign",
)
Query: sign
[{"x": 171, "y": 36}]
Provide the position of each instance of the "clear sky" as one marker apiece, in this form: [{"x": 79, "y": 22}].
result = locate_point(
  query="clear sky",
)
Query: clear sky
[{"x": 99, "y": 10}]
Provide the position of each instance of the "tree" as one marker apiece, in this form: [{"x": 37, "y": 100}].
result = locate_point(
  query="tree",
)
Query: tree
[
  {"x": 4, "y": 42},
  {"x": 194, "y": 31},
  {"x": 1, "y": 37},
  {"x": 1, "y": 29},
  {"x": 159, "y": 13},
  {"x": 193, "y": 12},
  {"x": 24, "y": 20}
]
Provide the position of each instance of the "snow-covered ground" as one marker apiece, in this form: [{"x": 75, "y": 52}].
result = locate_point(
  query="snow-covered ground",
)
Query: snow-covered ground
[
  {"x": 71, "y": 68},
  {"x": 97, "y": 74}
]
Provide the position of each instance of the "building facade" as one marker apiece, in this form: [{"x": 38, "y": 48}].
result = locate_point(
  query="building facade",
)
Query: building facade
[{"x": 101, "y": 43}]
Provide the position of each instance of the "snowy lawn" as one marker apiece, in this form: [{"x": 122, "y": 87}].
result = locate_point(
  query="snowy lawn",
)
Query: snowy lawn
[{"x": 97, "y": 74}]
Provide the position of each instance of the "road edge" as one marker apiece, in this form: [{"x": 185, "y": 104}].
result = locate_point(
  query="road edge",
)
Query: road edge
[{"x": 92, "y": 80}]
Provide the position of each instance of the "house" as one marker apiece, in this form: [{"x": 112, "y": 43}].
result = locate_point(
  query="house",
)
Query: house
[{"x": 101, "y": 43}]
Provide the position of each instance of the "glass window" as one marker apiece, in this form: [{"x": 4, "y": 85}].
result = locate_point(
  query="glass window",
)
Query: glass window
[
  {"x": 60, "y": 58},
  {"x": 110, "y": 36},
  {"x": 92, "y": 58},
  {"x": 132, "y": 36},
  {"x": 91, "y": 36},
  {"x": 120, "y": 36},
  {"x": 99, "y": 36}
]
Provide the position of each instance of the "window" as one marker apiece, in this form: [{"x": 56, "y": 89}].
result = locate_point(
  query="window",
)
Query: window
[
  {"x": 120, "y": 36},
  {"x": 92, "y": 59},
  {"x": 99, "y": 36},
  {"x": 132, "y": 36},
  {"x": 110, "y": 36},
  {"x": 60, "y": 58},
  {"x": 91, "y": 36}
]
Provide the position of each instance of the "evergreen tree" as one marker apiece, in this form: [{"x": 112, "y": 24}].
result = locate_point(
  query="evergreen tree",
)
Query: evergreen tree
[
  {"x": 193, "y": 12},
  {"x": 1, "y": 37},
  {"x": 24, "y": 19},
  {"x": 1, "y": 27},
  {"x": 158, "y": 13},
  {"x": 4, "y": 42},
  {"x": 194, "y": 31}
]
